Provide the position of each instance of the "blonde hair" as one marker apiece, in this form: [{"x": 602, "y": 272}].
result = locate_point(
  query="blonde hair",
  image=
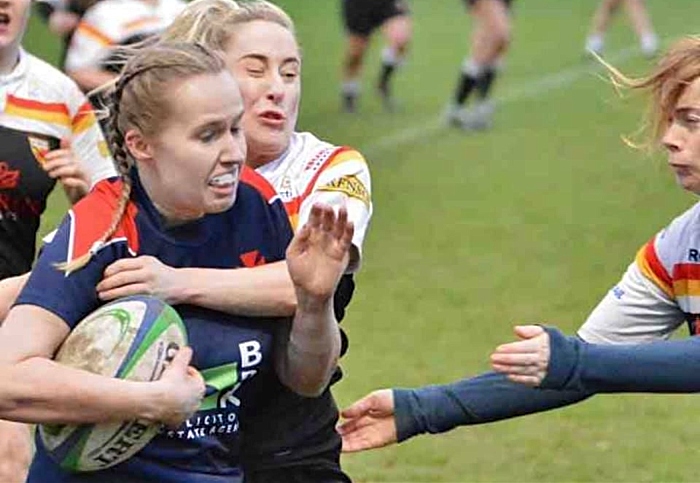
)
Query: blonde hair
[
  {"x": 138, "y": 99},
  {"x": 674, "y": 71},
  {"x": 213, "y": 22}
]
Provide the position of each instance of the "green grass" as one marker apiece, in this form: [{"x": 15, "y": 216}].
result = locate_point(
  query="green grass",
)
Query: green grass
[{"x": 530, "y": 222}]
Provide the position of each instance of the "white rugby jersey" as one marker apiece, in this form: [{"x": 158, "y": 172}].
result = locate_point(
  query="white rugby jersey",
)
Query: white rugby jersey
[
  {"x": 109, "y": 23},
  {"x": 659, "y": 291},
  {"x": 312, "y": 170},
  {"x": 38, "y": 98}
]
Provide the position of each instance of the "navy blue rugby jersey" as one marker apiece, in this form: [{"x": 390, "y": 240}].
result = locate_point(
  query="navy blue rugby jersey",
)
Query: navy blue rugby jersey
[{"x": 229, "y": 350}]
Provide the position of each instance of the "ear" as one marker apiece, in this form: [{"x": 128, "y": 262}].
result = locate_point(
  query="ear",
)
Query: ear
[{"x": 138, "y": 146}]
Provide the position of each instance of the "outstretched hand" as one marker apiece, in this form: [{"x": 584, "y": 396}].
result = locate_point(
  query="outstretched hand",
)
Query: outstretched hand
[
  {"x": 319, "y": 253},
  {"x": 527, "y": 360},
  {"x": 369, "y": 422}
]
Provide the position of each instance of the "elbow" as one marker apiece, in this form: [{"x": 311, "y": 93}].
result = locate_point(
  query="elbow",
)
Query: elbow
[{"x": 312, "y": 387}]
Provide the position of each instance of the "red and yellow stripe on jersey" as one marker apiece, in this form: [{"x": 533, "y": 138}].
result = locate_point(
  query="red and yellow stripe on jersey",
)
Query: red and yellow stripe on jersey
[
  {"x": 52, "y": 113},
  {"x": 339, "y": 156},
  {"x": 652, "y": 268}
]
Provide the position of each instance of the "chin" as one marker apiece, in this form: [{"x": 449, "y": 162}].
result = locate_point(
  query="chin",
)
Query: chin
[{"x": 219, "y": 206}]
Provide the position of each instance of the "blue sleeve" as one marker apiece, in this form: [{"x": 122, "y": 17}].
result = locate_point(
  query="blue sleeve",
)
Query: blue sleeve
[
  {"x": 658, "y": 367},
  {"x": 482, "y": 399},
  {"x": 70, "y": 296}
]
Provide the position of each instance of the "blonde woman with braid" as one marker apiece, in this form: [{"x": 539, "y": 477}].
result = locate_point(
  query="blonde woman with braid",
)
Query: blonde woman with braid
[
  {"x": 181, "y": 169},
  {"x": 290, "y": 438}
]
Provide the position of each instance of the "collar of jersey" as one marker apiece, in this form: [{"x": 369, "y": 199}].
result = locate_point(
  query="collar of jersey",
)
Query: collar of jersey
[{"x": 18, "y": 72}]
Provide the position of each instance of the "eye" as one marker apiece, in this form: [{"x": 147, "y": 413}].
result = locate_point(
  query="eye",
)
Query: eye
[
  {"x": 255, "y": 72},
  {"x": 235, "y": 130},
  {"x": 207, "y": 135}
]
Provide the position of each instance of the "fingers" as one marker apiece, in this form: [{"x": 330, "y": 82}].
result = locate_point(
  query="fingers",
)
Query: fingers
[
  {"x": 124, "y": 264},
  {"x": 182, "y": 359},
  {"x": 528, "y": 331},
  {"x": 360, "y": 407}
]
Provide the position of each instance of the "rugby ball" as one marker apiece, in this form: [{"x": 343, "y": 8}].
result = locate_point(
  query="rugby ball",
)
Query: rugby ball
[{"x": 131, "y": 338}]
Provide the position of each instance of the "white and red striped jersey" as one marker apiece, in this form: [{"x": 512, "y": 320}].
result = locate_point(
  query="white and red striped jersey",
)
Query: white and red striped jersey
[
  {"x": 38, "y": 98},
  {"x": 312, "y": 170},
  {"x": 659, "y": 291},
  {"x": 109, "y": 23}
]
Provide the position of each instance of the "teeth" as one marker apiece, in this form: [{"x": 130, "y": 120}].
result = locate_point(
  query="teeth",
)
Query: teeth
[{"x": 223, "y": 180}]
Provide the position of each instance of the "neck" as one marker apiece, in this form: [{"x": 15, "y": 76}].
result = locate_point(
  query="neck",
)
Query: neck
[
  {"x": 9, "y": 59},
  {"x": 170, "y": 215},
  {"x": 255, "y": 160}
]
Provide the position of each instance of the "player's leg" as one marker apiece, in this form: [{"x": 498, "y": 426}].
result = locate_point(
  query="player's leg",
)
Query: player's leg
[
  {"x": 15, "y": 451},
  {"x": 641, "y": 22},
  {"x": 490, "y": 40},
  {"x": 358, "y": 28},
  {"x": 397, "y": 30},
  {"x": 599, "y": 25}
]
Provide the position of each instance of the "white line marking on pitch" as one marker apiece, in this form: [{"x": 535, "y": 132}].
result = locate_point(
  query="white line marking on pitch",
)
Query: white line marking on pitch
[{"x": 527, "y": 90}]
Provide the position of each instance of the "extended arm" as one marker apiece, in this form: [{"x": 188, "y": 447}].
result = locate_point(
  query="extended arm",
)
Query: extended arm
[
  {"x": 317, "y": 258},
  {"x": 265, "y": 290}
]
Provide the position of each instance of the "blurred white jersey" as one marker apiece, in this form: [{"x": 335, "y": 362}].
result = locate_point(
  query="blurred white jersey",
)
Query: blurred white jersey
[
  {"x": 38, "y": 98},
  {"x": 658, "y": 293},
  {"x": 313, "y": 171},
  {"x": 109, "y": 23}
]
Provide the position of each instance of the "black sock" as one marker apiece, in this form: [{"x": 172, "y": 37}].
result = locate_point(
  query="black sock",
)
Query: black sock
[
  {"x": 349, "y": 101},
  {"x": 385, "y": 76},
  {"x": 464, "y": 87},
  {"x": 485, "y": 82}
]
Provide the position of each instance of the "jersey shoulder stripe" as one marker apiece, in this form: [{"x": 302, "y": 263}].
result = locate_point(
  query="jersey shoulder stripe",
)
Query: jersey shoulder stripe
[
  {"x": 91, "y": 217},
  {"x": 51, "y": 112},
  {"x": 250, "y": 177},
  {"x": 84, "y": 119},
  {"x": 652, "y": 268}
]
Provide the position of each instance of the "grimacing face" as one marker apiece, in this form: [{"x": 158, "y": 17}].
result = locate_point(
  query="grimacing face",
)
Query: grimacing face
[
  {"x": 14, "y": 15},
  {"x": 682, "y": 138},
  {"x": 192, "y": 164},
  {"x": 265, "y": 60}
]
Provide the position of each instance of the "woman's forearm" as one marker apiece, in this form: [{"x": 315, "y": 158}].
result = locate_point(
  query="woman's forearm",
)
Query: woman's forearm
[
  {"x": 313, "y": 348},
  {"x": 264, "y": 290},
  {"x": 38, "y": 390}
]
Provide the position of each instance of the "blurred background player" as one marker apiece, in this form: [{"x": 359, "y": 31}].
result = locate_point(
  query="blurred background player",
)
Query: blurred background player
[
  {"x": 110, "y": 23},
  {"x": 361, "y": 18},
  {"x": 490, "y": 40},
  {"x": 639, "y": 17},
  {"x": 62, "y": 17}
]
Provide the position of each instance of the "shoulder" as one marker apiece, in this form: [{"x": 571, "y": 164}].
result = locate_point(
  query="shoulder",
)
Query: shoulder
[
  {"x": 680, "y": 235},
  {"x": 253, "y": 183},
  {"x": 49, "y": 85},
  {"x": 319, "y": 155},
  {"x": 92, "y": 216}
]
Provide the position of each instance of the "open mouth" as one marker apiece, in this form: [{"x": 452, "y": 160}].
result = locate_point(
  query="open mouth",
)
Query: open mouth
[
  {"x": 4, "y": 19},
  {"x": 226, "y": 179},
  {"x": 272, "y": 116}
]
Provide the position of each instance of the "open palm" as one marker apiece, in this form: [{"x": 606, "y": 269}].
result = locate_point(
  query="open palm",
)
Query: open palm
[{"x": 318, "y": 254}]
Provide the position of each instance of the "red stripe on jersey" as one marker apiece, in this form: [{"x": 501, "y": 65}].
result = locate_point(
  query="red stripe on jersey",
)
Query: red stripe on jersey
[
  {"x": 655, "y": 264},
  {"x": 250, "y": 177},
  {"x": 93, "y": 215},
  {"x": 57, "y": 107},
  {"x": 686, "y": 271}
]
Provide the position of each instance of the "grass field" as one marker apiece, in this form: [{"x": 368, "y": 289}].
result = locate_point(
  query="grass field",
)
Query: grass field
[{"x": 530, "y": 222}]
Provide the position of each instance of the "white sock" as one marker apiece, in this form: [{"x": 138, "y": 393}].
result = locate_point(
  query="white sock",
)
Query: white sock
[
  {"x": 595, "y": 43},
  {"x": 649, "y": 43},
  {"x": 351, "y": 87}
]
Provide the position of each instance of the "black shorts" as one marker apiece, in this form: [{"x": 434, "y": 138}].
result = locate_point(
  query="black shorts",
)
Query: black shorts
[
  {"x": 472, "y": 2},
  {"x": 362, "y": 17}
]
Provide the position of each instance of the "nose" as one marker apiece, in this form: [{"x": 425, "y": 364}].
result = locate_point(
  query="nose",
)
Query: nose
[
  {"x": 275, "y": 88},
  {"x": 673, "y": 138},
  {"x": 235, "y": 150}
]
